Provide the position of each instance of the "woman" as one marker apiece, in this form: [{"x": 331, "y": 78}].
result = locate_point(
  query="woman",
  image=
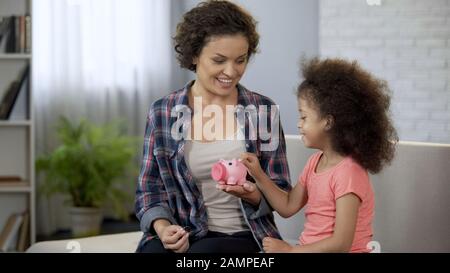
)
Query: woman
[{"x": 180, "y": 208}]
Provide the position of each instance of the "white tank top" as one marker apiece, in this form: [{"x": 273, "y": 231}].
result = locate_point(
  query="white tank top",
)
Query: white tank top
[{"x": 224, "y": 211}]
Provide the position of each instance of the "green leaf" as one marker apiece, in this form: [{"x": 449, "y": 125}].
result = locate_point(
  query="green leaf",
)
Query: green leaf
[{"x": 90, "y": 163}]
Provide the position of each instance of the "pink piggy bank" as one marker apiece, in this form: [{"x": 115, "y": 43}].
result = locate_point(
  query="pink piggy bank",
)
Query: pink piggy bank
[{"x": 229, "y": 172}]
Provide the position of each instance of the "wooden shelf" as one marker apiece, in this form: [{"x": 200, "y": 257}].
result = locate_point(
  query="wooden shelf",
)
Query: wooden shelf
[
  {"x": 15, "y": 56},
  {"x": 17, "y": 134},
  {"x": 14, "y": 123},
  {"x": 15, "y": 187}
]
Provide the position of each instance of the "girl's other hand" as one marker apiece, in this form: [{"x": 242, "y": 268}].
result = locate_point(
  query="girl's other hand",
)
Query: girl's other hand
[{"x": 272, "y": 245}]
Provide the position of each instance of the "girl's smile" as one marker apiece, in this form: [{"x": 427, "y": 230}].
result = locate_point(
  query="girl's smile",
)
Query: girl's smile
[{"x": 311, "y": 125}]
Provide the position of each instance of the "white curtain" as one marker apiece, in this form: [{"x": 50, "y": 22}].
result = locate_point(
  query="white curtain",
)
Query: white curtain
[{"x": 99, "y": 59}]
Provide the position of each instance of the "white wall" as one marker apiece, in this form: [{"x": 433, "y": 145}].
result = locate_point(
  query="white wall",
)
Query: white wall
[
  {"x": 407, "y": 42},
  {"x": 288, "y": 29},
  {"x": 179, "y": 75}
]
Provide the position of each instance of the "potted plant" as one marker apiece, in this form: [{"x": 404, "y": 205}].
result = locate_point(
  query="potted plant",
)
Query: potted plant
[{"x": 89, "y": 166}]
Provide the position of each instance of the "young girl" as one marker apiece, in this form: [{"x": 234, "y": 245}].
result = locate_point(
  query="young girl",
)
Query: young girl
[{"x": 344, "y": 114}]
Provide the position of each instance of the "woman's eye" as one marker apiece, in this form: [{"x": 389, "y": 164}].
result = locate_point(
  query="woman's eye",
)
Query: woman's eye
[
  {"x": 241, "y": 61},
  {"x": 219, "y": 61}
]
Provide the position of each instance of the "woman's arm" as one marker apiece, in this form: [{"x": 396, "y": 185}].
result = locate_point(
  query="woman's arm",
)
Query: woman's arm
[
  {"x": 347, "y": 208},
  {"x": 285, "y": 203},
  {"x": 159, "y": 225},
  {"x": 151, "y": 205},
  {"x": 151, "y": 196}
]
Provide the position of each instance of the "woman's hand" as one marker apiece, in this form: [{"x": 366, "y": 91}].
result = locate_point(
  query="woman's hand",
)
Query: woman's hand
[
  {"x": 272, "y": 245},
  {"x": 251, "y": 161},
  {"x": 173, "y": 237},
  {"x": 249, "y": 192}
]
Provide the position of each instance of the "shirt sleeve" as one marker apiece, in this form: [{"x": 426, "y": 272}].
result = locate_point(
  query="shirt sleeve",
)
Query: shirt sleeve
[
  {"x": 151, "y": 196},
  {"x": 351, "y": 178},
  {"x": 255, "y": 212},
  {"x": 303, "y": 177}
]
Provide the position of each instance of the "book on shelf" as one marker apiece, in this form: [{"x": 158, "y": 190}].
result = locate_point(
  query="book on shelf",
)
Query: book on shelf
[
  {"x": 15, "y": 34},
  {"x": 4, "y": 28},
  {"x": 20, "y": 110},
  {"x": 11, "y": 95},
  {"x": 11, "y": 42},
  {"x": 23, "y": 239},
  {"x": 4, "y": 33},
  {"x": 10, "y": 232},
  {"x": 27, "y": 33}
]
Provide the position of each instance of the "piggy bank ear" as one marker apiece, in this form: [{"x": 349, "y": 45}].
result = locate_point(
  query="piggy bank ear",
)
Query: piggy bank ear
[{"x": 234, "y": 161}]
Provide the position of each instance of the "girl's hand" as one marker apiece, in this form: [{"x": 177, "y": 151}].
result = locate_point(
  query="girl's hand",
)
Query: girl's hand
[
  {"x": 251, "y": 161},
  {"x": 175, "y": 238},
  {"x": 272, "y": 245}
]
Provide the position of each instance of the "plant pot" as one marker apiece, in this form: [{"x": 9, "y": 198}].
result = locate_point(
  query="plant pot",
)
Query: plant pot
[{"x": 85, "y": 221}]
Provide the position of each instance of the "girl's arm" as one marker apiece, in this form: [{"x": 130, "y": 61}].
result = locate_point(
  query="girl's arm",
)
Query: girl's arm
[
  {"x": 285, "y": 203},
  {"x": 347, "y": 208}
]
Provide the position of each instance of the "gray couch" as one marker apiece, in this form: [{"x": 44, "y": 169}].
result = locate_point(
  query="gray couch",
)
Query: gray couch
[{"x": 411, "y": 214}]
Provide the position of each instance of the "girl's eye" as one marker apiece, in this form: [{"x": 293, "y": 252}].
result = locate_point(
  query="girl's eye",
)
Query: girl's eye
[
  {"x": 218, "y": 61},
  {"x": 241, "y": 61}
]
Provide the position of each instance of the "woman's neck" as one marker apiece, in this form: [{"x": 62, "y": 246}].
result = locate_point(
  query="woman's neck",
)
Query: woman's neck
[{"x": 225, "y": 118}]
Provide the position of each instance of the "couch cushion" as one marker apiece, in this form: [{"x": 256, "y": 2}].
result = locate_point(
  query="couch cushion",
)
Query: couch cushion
[{"x": 114, "y": 243}]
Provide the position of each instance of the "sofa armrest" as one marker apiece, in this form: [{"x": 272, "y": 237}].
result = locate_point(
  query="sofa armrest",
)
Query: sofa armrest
[{"x": 114, "y": 243}]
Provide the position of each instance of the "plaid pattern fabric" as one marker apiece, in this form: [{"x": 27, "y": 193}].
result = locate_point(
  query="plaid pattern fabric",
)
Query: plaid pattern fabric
[{"x": 167, "y": 189}]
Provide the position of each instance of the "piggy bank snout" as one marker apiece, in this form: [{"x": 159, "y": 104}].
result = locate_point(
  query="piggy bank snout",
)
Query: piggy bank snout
[{"x": 218, "y": 172}]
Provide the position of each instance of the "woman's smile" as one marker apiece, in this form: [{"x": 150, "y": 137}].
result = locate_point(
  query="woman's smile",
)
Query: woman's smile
[{"x": 224, "y": 83}]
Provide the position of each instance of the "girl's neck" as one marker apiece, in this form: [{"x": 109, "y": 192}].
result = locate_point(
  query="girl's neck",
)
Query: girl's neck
[{"x": 330, "y": 157}]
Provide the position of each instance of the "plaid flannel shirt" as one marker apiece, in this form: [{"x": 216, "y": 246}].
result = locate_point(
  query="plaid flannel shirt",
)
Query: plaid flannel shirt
[{"x": 166, "y": 188}]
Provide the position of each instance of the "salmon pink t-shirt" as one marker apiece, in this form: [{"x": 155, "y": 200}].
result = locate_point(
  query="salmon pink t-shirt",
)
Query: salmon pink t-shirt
[{"x": 324, "y": 189}]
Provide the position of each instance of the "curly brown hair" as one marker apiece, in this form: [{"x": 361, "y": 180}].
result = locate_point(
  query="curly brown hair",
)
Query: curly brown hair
[
  {"x": 359, "y": 104},
  {"x": 212, "y": 18}
]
